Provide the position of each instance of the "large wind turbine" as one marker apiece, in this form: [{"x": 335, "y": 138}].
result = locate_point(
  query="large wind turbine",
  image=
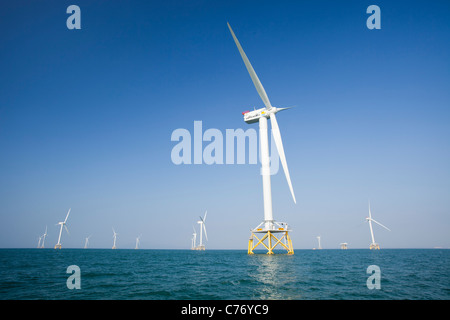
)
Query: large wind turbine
[
  {"x": 201, "y": 222},
  {"x": 374, "y": 245},
  {"x": 115, "y": 237},
  {"x": 62, "y": 224},
  {"x": 268, "y": 226}
]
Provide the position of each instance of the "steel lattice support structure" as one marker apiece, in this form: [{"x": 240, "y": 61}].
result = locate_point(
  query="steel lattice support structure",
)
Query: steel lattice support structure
[{"x": 272, "y": 242}]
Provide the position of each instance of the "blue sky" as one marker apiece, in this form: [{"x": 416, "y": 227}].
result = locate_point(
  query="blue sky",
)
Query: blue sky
[{"x": 86, "y": 118}]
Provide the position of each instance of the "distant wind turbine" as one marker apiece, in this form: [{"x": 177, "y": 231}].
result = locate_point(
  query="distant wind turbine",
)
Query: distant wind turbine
[
  {"x": 201, "y": 222},
  {"x": 115, "y": 237},
  {"x": 194, "y": 239},
  {"x": 62, "y": 224},
  {"x": 374, "y": 245},
  {"x": 86, "y": 242},
  {"x": 138, "y": 240},
  {"x": 43, "y": 237}
]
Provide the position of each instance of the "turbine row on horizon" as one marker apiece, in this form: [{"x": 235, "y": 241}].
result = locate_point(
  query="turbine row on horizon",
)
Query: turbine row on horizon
[{"x": 41, "y": 239}]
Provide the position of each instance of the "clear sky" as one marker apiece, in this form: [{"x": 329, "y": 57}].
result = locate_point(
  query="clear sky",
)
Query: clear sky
[{"x": 86, "y": 118}]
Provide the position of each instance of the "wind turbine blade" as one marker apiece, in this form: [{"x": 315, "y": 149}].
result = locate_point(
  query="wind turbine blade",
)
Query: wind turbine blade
[
  {"x": 67, "y": 216},
  {"x": 251, "y": 71},
  {"x": 67, "y": 229},
  {"x": 279, "y": 143},
  {"x": 281, "y": 109},
  {"x": 204, "y": 218},
  {"x": 381, "y": 225},
  {"x": 206, "y": 235}
]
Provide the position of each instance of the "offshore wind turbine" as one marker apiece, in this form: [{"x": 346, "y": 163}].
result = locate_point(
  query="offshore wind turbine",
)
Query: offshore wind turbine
[
  {"x": 115, "y": 237},
  {"x": 268, "y": 227},
  {"x": 374, "y": 245},
  {"x": 86, "y": 242},
  {"x": 138, "y": 240},
  {"x": 62, "y": 224},
  {"x": 194, "y": 239},
  {"x": 202, "y": 223},
  {"x": 43, "y": 237},
  {"x": 39, "y": 242},
  {"x": 320, "y": 247}
]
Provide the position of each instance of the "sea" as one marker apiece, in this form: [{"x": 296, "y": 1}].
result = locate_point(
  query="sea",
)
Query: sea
[{"x": 129, "y": 274}]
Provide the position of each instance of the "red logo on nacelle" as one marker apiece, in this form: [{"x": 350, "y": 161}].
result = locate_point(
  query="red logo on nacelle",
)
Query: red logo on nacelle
[{"x": 245, "y": 112}]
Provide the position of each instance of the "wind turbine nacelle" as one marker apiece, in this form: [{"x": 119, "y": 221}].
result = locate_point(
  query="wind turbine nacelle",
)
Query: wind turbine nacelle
[{"x": 255, "y": 115}]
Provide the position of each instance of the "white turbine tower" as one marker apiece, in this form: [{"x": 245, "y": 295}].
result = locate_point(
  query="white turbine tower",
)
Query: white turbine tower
[
  {"x": 39, "y": 242},
  {"x": 320, "y": 247},
  {"x": 201, "y": 222},
  {"x": 138, "y": 241},
  {"x": 86, "y": 242},
  {"x": 43, "y": 237},
  {"x": 194, "y": 239},
  {"x": 115, "y": 237},
  {"x": 62, "y": 224},
  {"x": 374, "y": 245},
  {"x": 268, "y": 226}
]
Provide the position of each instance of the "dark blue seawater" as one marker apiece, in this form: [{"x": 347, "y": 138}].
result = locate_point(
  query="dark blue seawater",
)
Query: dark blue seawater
[{"x": 224, "y": 274}]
